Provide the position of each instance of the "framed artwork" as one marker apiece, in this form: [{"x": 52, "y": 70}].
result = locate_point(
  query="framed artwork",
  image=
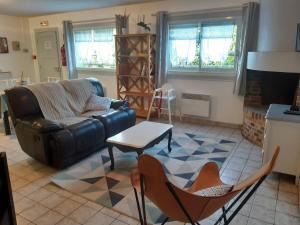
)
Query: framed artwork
[
  {"x": 298, "y": 38},
  {"x": 3, "y": 45},
  {"x": 15, "y": 45}
]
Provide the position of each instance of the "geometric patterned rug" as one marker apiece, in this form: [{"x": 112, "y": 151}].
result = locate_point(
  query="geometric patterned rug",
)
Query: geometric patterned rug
[{"x": 93, "y": 179}]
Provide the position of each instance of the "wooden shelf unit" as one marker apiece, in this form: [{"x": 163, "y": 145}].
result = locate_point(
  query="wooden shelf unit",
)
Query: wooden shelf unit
[{"x": 135, "y": 70}]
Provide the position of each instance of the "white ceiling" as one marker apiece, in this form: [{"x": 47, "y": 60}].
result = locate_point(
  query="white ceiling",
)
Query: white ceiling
[{"x": 42, "y": 7}]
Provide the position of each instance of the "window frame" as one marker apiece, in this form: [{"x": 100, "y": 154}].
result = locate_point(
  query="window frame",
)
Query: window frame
[
  {"x": 93, "y": 26},
  {"x": 199, "y": 71}
]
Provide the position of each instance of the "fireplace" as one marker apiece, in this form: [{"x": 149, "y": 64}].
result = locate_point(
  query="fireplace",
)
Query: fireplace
[
  {"x": 262, "y": 89},
  {"x": 274, "y": 53},
  {"x": 265, "y": 88}
]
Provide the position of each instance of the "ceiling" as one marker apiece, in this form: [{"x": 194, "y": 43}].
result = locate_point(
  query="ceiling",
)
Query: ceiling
[{"x": 42, "y": 7}]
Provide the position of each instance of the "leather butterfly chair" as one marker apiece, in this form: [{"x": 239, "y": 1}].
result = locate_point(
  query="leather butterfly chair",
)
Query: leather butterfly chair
[{"x": 184, "y": 205}]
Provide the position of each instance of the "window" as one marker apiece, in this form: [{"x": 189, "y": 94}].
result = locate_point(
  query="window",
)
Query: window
[
  {"x": 203, "y": 46},
  {"x": 95, "y": 46}
]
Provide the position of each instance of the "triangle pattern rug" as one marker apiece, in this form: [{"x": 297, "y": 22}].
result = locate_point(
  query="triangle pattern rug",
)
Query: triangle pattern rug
[{"x": 93, "y": 179}]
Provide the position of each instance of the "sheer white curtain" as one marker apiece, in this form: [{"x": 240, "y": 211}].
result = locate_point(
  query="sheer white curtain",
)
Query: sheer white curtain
[
  {"x": 94, "y": 45},
  {"x": 183, "y": 41},
  {"x": 218, "y": 45}
]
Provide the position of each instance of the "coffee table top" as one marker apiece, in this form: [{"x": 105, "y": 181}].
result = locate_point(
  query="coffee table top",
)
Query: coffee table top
[{"x": 140, "y": 135}]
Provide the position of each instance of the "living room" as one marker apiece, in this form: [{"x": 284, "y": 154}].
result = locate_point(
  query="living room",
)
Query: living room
[{"x": 230, "y": 70}]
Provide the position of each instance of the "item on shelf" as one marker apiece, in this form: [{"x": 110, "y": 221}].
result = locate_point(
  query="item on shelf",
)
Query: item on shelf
[
  {"x": 124, "y": 68},
  {"x": 122, "y": 23},
  {"x": 22, "y": 81},
  {"x": 143, "y": 70},
  {"x": 142, "y": 26}
]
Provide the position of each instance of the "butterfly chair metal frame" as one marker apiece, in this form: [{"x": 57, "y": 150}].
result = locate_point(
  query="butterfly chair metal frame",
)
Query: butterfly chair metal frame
[{"x": 225, "y": 210}]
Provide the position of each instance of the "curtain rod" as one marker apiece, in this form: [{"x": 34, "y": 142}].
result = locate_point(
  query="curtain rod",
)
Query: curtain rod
[
  {"x": 94, "y": 20},
  {"x": 202, "y": 10}
]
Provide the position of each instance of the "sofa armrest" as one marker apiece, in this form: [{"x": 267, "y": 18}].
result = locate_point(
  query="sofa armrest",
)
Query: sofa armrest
[
  {"x": 116, "y": 104},
  {"x": 40, "y": 125}
]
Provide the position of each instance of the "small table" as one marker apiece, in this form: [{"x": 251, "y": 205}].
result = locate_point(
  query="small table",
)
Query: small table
[
  {"x": 4, "y": 110},
  {"x": 139, "y": 137}
]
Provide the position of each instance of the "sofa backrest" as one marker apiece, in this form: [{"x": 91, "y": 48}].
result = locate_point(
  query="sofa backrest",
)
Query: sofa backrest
[
  {"x": 23, "y": 104},
  {"x": 97, "y": 85}
]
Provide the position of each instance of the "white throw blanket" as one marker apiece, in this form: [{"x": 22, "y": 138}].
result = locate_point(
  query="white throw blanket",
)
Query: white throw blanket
[
  {"x": 64, "y": 102},
  {"x": 52, "y": 100},
  {"x": 78, "y": 92}
]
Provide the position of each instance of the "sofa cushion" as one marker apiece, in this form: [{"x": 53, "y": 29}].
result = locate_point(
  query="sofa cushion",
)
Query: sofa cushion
[
  {"x": 117, "y": 121},
  {"x": 76, "y": 142},
  {"x": 97, "y": 103},
  {"x": 91, "y": 114}
]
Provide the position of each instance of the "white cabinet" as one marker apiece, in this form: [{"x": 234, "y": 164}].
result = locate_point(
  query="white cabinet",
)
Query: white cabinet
[{"x": 283, "y": 130}]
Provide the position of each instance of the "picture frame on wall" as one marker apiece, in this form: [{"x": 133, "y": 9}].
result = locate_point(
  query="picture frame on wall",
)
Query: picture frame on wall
[
  {"x": 3, "y": 45},
  {"x": 16, "y": 45},
  {"x": 298, "y": 38}
]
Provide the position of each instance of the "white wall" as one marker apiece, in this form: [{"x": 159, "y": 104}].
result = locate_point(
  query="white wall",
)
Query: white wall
[
  {"x": 278, "y": 25},
  {"x": 16, "y": 29},
  {"x": 225, "y": 106}
]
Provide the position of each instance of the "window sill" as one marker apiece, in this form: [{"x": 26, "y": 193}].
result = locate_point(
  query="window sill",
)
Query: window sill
[
  {"x": 230, "y": 76},
  {"x": 97, "y": 70}
]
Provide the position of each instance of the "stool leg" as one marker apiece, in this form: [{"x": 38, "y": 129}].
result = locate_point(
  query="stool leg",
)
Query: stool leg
[
  {"x": 169, "y": 111},
  {"x": 150, "y": 108}
]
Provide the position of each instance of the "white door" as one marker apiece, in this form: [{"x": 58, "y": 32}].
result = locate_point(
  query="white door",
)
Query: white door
[{"x": 48, "y": 55}]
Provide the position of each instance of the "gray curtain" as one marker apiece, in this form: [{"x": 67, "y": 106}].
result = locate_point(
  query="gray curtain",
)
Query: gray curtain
[
  {"x": 70, "y": 49},
  {"x": 161, "y": 48},
  {"x": 248, "y": 43}
]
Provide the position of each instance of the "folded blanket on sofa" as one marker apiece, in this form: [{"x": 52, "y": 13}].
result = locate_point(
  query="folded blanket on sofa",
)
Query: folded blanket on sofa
[
  {"x": 53, "y": 103},
  {"x": 78, "y": 92},
  {"x": 52, "y": 100},
  {"x": 65, "y": 102}
]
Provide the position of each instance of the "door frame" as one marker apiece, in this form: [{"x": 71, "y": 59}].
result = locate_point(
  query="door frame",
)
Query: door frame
[{"x": 55, "y": 30}]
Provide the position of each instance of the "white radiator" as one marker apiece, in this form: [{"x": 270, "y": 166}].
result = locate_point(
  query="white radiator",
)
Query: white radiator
[{"x": 195, "y": 105}]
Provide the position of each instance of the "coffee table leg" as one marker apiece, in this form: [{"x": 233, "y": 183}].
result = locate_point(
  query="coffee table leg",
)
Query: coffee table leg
[
  {"x": 169, "y": 141},
  {"x": 111, "y": 155}
]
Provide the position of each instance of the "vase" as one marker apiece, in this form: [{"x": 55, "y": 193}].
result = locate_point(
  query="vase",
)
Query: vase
[
  {"x": 124, "y": 69},
  {"x": 124, "y": 30}
]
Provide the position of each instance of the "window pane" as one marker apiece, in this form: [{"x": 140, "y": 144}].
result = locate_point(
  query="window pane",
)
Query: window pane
[
  {"x": 96, "y": 50},
  {"x": 218, "y": 45},
  {"x": 183, "y": 45}
]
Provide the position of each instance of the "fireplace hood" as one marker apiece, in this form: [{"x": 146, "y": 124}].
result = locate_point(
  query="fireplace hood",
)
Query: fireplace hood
[{"x": 284, "y": 62}]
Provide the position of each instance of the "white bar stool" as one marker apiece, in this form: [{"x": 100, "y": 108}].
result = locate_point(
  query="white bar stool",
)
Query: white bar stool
[{"x": 165, "y": 94}]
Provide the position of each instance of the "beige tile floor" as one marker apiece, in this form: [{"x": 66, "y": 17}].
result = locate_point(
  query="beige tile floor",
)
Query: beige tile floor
[{"x": 37, "y": 201}]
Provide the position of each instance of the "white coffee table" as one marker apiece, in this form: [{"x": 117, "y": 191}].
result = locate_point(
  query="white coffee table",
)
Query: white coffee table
[{"x": 139, "y": 137}]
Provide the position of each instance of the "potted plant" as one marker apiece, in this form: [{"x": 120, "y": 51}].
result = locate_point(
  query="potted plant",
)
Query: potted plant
[
  {"x": 142, "y": 26},
  {"x": 122, "y": 23}
]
